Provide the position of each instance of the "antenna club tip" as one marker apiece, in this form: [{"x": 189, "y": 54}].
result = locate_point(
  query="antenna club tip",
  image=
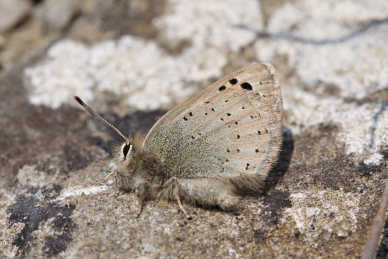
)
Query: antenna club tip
[{"x": 78, "y": 100}]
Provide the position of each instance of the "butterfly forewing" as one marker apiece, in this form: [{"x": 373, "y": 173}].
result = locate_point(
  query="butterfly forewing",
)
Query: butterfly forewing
[{"x": 231, "y": 128}]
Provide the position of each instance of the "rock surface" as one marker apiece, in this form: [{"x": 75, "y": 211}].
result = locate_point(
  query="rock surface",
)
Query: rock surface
[
  {"x": 133, "y": 60},
  {"x": 12, "y": 12}
]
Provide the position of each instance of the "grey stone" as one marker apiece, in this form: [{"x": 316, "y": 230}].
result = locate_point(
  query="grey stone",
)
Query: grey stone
[
  {"x": 56, "y": 15},
  {"x": 12, "y": 12},
  {"x": 321, "y": 196}
]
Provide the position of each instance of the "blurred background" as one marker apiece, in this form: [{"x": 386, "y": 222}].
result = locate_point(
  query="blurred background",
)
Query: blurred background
[{"x": 132, "y": 60}]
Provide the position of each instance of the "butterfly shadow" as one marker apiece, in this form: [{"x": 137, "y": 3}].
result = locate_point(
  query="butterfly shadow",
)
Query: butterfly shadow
[{"x": 283, "y": 163}]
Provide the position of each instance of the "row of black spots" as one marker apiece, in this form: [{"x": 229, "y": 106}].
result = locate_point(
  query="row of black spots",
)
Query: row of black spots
[
  {"x": 247, "y": 167},
  {"x": 222, "y": 163},
  {"x": 185, "y": 117},
  {"x": 253, "y": 116},
  {"x": 246, "y": 86},
  {"x": 232, "y": 81},
  {"x": 259, "y": 132},
  {"x": 237, "y": 150},
  {"x": 236, "y": 123}
]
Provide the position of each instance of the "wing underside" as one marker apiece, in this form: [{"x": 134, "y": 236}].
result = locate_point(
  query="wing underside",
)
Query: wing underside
[{"x": 231, "y": 128}]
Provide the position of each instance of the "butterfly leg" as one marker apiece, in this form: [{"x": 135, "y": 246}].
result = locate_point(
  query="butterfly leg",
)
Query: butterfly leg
[
  {"x": 140, "y": 204},
  {"x": 171, "y": 191},
  {"x": 140, "y": 195},
  {"x": 178, "y": 199},
  {"x": 117, "y": 189}
]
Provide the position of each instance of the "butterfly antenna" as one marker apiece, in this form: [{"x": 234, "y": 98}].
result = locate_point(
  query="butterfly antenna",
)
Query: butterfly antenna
[{"x": 93, "y": 113}]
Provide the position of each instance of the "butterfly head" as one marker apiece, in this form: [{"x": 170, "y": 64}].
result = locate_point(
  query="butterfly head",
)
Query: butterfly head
[
  {"x": 131, "y": 164},
  {"x": 123, "y": 155},
  {"x": 129, "y": 150},
  {"x": 124, "y": 169},
  {"x": 129, "y": 157}
]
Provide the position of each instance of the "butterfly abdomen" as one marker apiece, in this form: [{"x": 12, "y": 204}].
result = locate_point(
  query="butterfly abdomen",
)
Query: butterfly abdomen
[
  {"x": 206, "y": 192},
  {"x": 247, "y": 184}
]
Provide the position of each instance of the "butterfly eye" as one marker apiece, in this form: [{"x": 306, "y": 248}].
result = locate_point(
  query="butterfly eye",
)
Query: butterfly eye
[{"x": 126, "y": 148}]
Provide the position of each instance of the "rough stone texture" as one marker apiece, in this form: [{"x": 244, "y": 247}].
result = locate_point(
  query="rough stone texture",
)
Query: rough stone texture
[
  {"x": 132, "y": 60},
  {"x": 56, "y": 14},
  {"x": 12, "y": 12}
]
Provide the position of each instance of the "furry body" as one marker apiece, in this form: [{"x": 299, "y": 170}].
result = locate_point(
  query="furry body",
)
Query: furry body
[{"x": 145, "y": 175}]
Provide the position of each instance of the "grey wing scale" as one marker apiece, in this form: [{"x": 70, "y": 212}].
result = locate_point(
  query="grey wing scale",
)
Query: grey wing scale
[{"x": 230, "y": 129}]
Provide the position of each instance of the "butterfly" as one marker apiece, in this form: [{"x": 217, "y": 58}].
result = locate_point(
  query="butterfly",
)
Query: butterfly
[{"x": 212, "y": 149}]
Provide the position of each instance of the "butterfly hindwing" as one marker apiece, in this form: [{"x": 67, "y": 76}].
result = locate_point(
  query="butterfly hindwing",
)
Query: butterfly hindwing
[{"x": 231, "y": 128}]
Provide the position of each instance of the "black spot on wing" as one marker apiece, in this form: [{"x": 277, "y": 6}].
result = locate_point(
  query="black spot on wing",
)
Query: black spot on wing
[
  {"x": 222, "y": 88},
  {"x": 233, "y": 81},
  {"x": 246, "y": 86}
]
